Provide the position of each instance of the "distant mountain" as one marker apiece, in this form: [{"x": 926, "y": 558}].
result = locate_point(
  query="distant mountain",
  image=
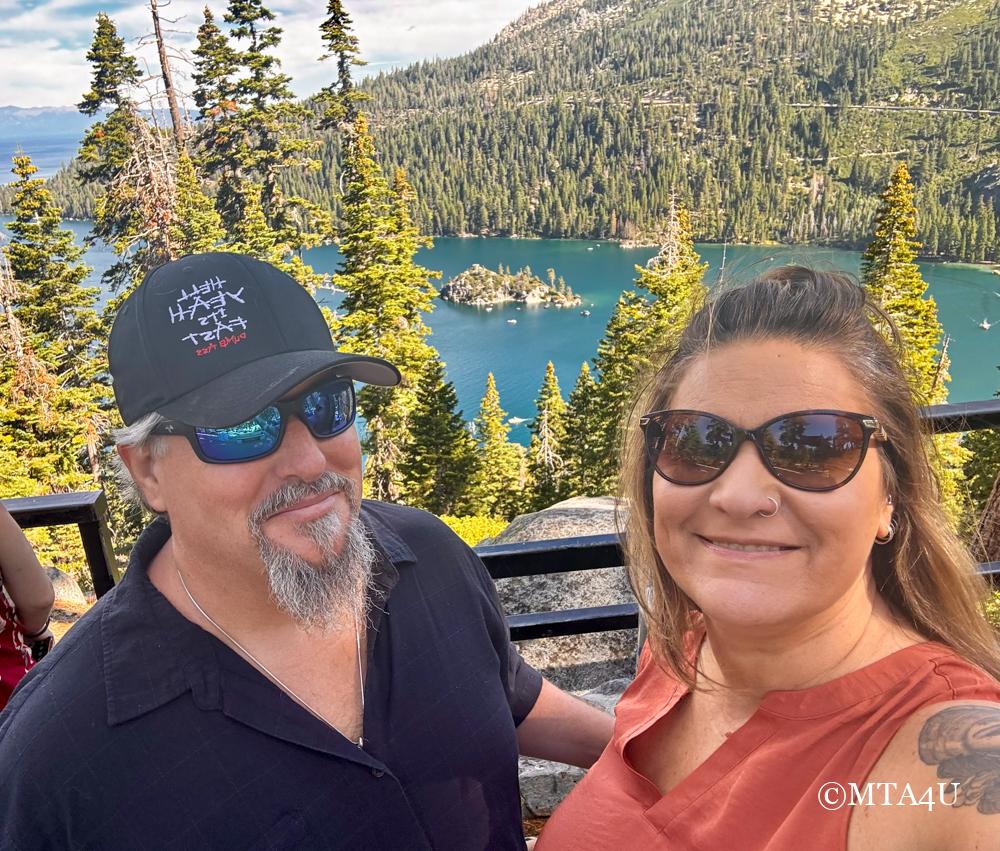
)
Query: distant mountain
[
  {"x": 771, "y": 119},
  {"x": 19, "y": 123}
]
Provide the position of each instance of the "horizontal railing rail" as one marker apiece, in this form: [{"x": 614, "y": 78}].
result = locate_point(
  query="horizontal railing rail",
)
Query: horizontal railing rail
[{"x": 88, "y": 510}]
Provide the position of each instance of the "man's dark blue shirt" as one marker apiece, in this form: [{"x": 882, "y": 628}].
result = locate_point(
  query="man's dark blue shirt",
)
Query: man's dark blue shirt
[{"x": 141, "y": 730}]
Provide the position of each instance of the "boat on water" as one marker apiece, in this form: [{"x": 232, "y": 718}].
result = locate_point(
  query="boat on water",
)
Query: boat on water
[
  {"x": 986, "y": 324},
  {"x": 585, "y": 313},
  {"x": 516, "y": 420},
  {"x": 489, "y": 308},
  {"x": 512, "y": 322}
]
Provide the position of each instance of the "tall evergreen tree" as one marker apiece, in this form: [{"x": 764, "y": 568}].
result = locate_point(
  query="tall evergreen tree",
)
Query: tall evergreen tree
[
  {"x": 640, "y": 333},
  {"x": 440, "y": 454},
  {"x": 254, "y": 130},
  {"x": 114, "y": 71},
  {"x": 547, "y": 472},
  {"x": 340, "y": 99},
  {"x": 675, "y": 277},
  {"x": 582, "y": 449},
  {"x": 892, "y": 277},
  {"x": 386, "y": 295},
  {"x": 51, "y": 419},
  {"x": 107, "y": 144},
  {"x": 195, "y": 224},
  {"x": 496, "y": 488}
]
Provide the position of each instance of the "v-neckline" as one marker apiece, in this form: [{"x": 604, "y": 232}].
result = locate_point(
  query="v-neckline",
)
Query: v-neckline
[{"x": 776, "y": 708}]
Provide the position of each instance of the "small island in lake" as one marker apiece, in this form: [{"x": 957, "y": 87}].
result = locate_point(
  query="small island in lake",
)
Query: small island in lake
[{"x": 480, "y": 286}]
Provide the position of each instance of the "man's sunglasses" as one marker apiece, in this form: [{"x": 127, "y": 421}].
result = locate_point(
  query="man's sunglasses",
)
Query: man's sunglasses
[
  {"x": 326, "y": 410},
  {"x": 808, "y": 450}
]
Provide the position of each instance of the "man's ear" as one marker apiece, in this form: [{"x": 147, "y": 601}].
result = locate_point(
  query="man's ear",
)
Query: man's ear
[{"x": 143, "y": 467}]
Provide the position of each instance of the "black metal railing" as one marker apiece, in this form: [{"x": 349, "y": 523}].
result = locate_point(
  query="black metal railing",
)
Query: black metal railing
[{"x": 89, "y": 512}]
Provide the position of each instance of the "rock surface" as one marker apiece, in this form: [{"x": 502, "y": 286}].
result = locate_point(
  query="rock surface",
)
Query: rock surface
[
  {"x": 65, "y": 586},
  {"x": 577, "y": 662}
]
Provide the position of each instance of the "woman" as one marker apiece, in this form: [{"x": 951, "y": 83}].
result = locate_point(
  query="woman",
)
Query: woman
[
  {"x": 813, "y": 621},
  {"x": 25, "y": 603}
]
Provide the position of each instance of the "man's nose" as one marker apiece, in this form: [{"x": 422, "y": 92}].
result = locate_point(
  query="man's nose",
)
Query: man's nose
[{"x": 300, "y": 454}]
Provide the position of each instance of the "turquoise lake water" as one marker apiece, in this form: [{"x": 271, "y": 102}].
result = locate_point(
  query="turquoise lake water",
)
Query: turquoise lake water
[{"x": 474, "y": 342}]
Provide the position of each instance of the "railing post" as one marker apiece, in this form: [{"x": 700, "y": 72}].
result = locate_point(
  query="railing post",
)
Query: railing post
[{"x": 100, "y": 553}]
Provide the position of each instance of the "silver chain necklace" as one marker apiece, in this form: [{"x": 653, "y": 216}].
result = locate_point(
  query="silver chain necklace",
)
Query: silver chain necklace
[{"x": 357, "y": 639}]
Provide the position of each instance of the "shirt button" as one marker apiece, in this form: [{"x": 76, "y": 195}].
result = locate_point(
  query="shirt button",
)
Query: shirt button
[{"x": 377, "y": 772}]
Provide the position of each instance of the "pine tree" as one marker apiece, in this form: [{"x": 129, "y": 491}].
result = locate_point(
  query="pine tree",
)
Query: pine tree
[
  {"x": 252, "y": 129},
  {"x": 107, "y": 144},
  {"x": 51, "y": 418},
  {"x": 676, "y": 279},
  {"x": 496, "y": 488},
  {"x": 386, "y": 295},
  {"x": 195, "y": 224},
  {"x": 582, "y": 451},
  {"x": 547, "y": 471},
  {"x": 440, "y": 454},
  {"x": 893, "y": 279},
  {"x": 340, "y": 99},
  {"x": 114, "y": 71},
  {"x": 639, "y": 335},
  {"x": 621, "y": 355}
]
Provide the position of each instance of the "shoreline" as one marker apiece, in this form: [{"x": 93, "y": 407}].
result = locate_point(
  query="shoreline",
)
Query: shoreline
[{"x": 989, "y": 265}]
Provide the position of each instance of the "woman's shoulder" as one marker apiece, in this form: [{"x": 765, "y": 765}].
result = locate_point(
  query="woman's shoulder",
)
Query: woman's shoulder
[{"x": 937, "y": 784}]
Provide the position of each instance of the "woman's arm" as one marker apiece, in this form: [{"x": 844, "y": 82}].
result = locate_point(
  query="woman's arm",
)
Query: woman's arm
[{"x": 23, "y": 578}]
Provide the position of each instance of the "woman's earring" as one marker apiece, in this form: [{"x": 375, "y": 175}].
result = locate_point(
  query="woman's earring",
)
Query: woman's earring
[{"x": 890, "y": 536}]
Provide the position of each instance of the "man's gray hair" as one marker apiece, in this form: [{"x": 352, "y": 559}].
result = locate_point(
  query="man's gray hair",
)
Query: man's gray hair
[{"x": 139, "y": 435}]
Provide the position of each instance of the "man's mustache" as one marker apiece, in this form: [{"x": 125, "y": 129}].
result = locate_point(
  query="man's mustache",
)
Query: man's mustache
[{"x": 294, "y": 491}]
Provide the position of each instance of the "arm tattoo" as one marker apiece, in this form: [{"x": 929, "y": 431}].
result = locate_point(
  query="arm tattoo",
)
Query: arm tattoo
[{"x": 964, "y": 743}]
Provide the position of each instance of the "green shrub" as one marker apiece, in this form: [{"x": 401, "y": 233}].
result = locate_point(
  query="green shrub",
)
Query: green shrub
[
  {"x": 991, "y": 608},
  {"x": 472, "y": 530}
]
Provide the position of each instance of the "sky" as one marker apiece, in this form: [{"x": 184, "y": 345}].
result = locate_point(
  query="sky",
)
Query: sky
[{"x": 43, "y": 43}]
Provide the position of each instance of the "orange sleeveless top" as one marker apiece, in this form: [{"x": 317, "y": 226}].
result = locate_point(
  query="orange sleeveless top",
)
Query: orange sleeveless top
[{"x": 760, "y": 788}]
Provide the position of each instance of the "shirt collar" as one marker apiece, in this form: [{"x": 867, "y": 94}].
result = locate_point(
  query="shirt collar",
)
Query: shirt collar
[{"x": 153, "y": 654}]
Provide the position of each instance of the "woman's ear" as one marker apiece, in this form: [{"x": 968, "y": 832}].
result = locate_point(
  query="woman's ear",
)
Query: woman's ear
[
  {"x": 143, "y": 467},
  {"x": 885, "y": 525}
]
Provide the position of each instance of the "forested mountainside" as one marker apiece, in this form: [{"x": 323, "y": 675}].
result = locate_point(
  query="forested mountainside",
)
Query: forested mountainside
[{"x": 770, "y": 119}]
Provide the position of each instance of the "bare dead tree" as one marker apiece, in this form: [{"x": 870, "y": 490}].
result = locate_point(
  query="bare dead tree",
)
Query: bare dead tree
[
  {"x": 180, "y": 130},
  {"x": 31, "y": 378}
]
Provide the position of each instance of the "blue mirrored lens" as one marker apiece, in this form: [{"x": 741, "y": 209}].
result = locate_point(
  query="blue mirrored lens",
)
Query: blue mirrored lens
[
  {"x": 244, "y": 441},
  {"x": 329, "y": 410}
]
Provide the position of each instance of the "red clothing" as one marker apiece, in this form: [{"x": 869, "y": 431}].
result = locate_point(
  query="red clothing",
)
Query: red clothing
[
  {"x": 760, "y": 788},
  {"x": 15, "y": 655}
]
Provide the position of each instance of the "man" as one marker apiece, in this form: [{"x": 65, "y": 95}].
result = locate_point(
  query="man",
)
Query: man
[{"x": 283, "y": 665}]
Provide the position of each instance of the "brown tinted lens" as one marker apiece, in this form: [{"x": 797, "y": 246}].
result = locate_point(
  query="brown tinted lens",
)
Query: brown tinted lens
[
  {"x": 689, "y": 448},
  {"x": 814, "y": 451}
]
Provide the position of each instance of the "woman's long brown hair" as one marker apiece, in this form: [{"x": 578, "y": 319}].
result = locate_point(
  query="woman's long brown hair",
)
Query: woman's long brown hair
[{"x": 925, "y": 573}]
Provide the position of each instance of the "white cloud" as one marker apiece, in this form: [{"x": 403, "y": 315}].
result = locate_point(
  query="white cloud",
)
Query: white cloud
[{"x": 45, "y": 71}]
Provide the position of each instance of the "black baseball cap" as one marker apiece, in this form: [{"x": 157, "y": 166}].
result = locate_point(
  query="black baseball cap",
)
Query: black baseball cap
[{"x": 213, "y": 339}]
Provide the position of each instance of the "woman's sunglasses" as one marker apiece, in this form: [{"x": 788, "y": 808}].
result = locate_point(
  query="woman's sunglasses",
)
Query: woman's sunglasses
[
  {"x": 808, "y": 450},
  {"x": 326, "y": 410}
]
